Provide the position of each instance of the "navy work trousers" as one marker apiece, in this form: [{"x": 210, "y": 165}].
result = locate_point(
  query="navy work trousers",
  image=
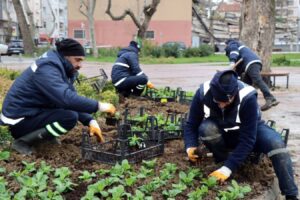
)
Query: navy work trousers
[
  {"x": 268, "y": 141},
  {"x": 57, "y": 120},
  {"x": 132, "y": 85}
]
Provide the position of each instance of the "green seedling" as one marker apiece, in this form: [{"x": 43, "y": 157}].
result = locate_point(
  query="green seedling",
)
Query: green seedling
[
  {"x": 234, "y": 191},
  {"x": 135, "y": 141},
  {"x": 198, "y": 194},
  {"x": 86, "y": 176},
  {"x": 4, "y": 155},
  {"x": 210, "y": 182},
  {"x": 150, "y": 164}
]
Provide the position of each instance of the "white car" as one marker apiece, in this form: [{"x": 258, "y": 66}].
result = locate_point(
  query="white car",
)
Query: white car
[{"x": 3, "y": 49}]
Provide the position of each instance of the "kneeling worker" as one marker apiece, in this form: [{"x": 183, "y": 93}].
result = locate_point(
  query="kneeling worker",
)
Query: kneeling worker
[
  {"x": 42, "y": 104},
  {"x": 126, "y": 75},
  {"x": 225, "y": 115}
]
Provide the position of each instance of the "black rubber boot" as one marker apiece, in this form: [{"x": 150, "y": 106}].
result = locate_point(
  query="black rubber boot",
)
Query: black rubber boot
[
  {"x": 269, "y": 103},
  {"x": 24, "y": 144},
  {"x": 291, "y": 197}
]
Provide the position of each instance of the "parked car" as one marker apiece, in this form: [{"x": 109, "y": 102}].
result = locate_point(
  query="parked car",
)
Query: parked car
[
  {"x": 3, "y": 49},
  {"x": 15, "y": 47}
]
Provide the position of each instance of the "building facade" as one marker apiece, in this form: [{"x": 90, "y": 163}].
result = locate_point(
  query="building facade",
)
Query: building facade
[
  {"x": 171, "y": 22},
  {"x": 8, "y": 22}
]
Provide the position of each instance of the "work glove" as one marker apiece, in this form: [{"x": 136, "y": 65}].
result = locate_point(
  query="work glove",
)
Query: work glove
[
  {"x": 95, "y": 130},
  {"x": 107, "y": 107},
  {"x": 191, "y": 154},
  {"x": 222, "y": 174},
  {"x": 150, "y": 85}
]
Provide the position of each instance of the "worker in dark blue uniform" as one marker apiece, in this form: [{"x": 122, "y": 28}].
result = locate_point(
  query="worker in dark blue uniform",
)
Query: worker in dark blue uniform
[
  {"x": 126, "y": 75},
  {"x": 225, "y": 116},
  {"x": 249, "y": 69},
  {"x": 42, "y": 104}
]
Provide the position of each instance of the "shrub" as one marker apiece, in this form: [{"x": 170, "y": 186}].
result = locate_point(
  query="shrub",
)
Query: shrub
[
  {"x": 206, "y": 50},
  {"x": 172, "y": 50}
]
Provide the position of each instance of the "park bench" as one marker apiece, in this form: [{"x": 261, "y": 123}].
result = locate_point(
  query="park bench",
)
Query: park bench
[{"x": 273, "y": 75}]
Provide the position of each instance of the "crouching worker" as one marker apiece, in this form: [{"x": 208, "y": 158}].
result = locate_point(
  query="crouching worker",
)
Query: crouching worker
[
  {"x": 42, "y": 104},
  {"x": 225, "y": 115},
  {"x": 126, "y": 75}
]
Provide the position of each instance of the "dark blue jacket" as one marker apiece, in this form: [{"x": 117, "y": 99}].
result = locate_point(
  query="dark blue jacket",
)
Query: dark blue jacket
[
  {"x": 249, "y": 119},
  {"x": 47, "y": 84},
  {"x": 127, "y": 64},
  {"x": 235, "y": 51}
]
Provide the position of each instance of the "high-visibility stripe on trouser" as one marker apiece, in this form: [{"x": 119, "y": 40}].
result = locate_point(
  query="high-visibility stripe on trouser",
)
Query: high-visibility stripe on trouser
[
  {"x": 140, "y": 87},
  {"x": 55, "y": 129},
  {"x": 277, "y": 151}
]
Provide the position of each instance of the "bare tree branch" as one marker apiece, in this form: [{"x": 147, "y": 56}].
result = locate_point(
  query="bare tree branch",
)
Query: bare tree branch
[
  {"x": 83, "y": 6},
  {"x": 148, "y": 11}
]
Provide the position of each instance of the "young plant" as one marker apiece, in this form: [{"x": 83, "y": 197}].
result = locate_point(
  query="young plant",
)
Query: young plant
[
  {"x": 210, "y": 182},
  {"x": 150, "y": 164},
  {"x": 4, "y": 155},
  {"x": 141, "y": 196},
  {"x": 234, "y": 191},
  {"x": 62, "y": 182},
  {"x": 4, "y": 193},
  {"x": 118, "y": 192},
  {"x": 87, "y": 176},
  {"x": 199, "y": 193},
  {"x": 176, "y": 189},
  {"x": 135, "y": 141}
]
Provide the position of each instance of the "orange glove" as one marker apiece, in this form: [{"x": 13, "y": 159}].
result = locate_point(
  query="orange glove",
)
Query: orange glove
[
  {"x": 221, "y": 174},
  {"x": 107, "y": 107},
  {"x": 191, "y": 154},
  {"x": 150, "y": 85},
  {"x": 95, "y": 130}
]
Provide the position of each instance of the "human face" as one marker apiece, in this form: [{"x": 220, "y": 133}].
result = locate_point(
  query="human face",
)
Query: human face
[
  {"x": 76, "y": 62},
  {"x": 224, "y": 104}
]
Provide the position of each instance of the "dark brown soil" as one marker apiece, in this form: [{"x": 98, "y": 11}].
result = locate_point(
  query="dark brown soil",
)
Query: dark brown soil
[{"x": 68, "y": 154}]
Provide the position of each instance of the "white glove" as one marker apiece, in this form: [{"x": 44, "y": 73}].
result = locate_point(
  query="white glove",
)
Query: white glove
[{"x": 106, "y": 107}]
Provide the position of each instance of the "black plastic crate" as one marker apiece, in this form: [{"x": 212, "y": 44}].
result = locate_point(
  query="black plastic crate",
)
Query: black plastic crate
[
  {"x": 118, "y": 149},
  {"x": 183, "y": 98},
  {"x": 97, "y": 82},
  {"x": 154, "y": 95},
  {"x": 284, "y": 132},
  {"x": 176, "y": 120}
]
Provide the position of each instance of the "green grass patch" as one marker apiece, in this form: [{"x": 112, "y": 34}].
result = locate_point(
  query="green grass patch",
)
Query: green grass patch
[{"x": 292, "y": 58}]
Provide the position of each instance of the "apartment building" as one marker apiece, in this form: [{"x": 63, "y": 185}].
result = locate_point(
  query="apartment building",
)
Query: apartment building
[
  {"x": 8, "y": 22},
  {"x": 287, "y": 23},
  {"x": 171, "y": 22}
]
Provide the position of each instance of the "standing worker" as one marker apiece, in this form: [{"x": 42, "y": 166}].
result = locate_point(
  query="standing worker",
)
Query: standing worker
[
  {"x": 225, "y": 115},
  {"x": 42, "y": 104},
  {"x": 248, "y": 66},
  {"x": 126, "y": 75}
]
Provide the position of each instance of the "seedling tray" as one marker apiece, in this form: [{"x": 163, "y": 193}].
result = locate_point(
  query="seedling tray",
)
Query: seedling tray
[
  {"x": 118, "y": 149},
  {"x": 97, "y": 82}
]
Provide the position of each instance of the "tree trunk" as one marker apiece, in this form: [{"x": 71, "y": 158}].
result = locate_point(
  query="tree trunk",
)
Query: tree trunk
[
  {"x": 91, "y": 9},
  {"x": 258, "y": 28},
  {"x": 24, "y": 27},
  {"x": 87, "y": 8}
]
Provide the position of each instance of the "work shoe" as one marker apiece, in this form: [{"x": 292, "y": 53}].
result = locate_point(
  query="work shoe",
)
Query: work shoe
[
  {"x": 269, "y": 103},
  {"x": 22, "y": 147},
  {"x": 291, "y": 197}
]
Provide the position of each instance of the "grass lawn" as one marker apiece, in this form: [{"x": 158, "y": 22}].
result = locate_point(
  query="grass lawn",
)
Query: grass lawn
[{"x": 294, "y": 59}]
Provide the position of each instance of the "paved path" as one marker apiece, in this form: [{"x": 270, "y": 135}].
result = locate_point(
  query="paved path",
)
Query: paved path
[{"x": 189, "y": 77}]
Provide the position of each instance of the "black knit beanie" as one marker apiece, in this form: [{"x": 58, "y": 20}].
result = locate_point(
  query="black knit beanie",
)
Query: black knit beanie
[
  {"x": 69, "y": 47},
  {"x": 224, "y": 85}
]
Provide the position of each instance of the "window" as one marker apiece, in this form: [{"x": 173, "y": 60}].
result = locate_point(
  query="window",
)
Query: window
[
  {"x": 290, "y": 2},
  {"x": 44, "y": 24},
  {"x": 79, "y": 34},
  {"x": 149, "y": 35}
]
